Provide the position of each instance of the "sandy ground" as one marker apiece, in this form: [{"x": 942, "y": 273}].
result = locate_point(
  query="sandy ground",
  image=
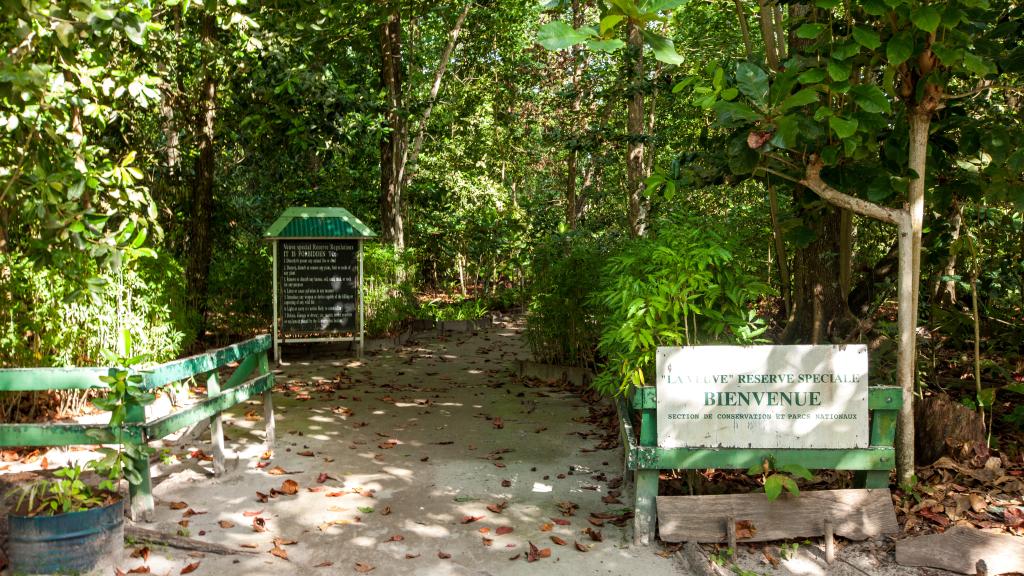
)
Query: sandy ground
[{"x": 428, "y": 459}]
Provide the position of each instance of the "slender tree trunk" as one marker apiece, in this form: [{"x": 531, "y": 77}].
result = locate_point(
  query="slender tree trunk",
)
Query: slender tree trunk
[
  {"x": 570, "y": 188},
  {"x": 766, "y": 19},
  {"x": 818, "y": 303},
  {"x": 635, "y": 128},
  {"x": 781, "y": 257},
  {"x": 944, "y": 291},
  {"x": 572, "y": 158},
  {"x": 392, "y": 142},
  {"x": 200, "y": 241},
  {"x": 741, "y": 15},
  {"x": 845, "y": 252}
]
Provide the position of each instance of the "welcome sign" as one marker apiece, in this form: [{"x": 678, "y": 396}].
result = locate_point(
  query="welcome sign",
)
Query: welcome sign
[{"x": 763, "y": 396}]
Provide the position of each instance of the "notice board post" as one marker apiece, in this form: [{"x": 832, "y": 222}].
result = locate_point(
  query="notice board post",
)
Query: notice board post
[{"x": 318, "y": 277}]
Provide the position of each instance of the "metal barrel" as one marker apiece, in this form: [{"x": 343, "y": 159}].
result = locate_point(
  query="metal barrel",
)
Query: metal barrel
[{"x": 72, "y": 543}]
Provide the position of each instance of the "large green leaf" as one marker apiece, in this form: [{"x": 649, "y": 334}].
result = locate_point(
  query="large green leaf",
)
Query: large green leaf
[
  {"x": 557, "y": 35},
  {"x": 801, "y": 98},
  {"x": 839, "y": 71},
  {"x": 663, "y": 48},
  {"x": 732, "y": 114},
  {"x": 810, "y": 30},
  {"x": 870, "y": 98},
  {"x": 842, "y": 127},
  {"x": 926, "y": 17},
  {"x": 609, "y": 45},
  {"x": 900, "y": 47},
  {"x": 752, "y": 81},
  {"x": 773, "y": 486},
  {"x": 866, "y": 37},
  {"x": 609, "y": 22}
]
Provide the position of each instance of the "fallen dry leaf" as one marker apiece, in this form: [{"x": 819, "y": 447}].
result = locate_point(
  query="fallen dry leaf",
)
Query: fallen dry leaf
[
  {"x": 141, "y": 553},
  {"x": 745, "y": 529},
  {"x": 189, "y": 568},
  {"x": 498, "y": 508},
  {"x": 259, "y": 524},
  {"x": 396, "y": 538},
  {"x": 546, "y": 527},
  {"x": 284, "y": 542},
  {"x": 471, "y": 519},
  {"x": 502, "y": 530},
  {"x": 251, "y": 513},
  {"x": 139, "y": 570},
  {"x": 581, "y": 547},
  {"x": 411, "y": 556},
  {"x": 487, "y": 541},
  {"x": 279, "y": 552},
  {"x": 226, "y": 524},
  {"x": 506, "y": 483},
  {"x": 324, "y": 564},
  {"x": 289, "y": 487},
  {"x": 443, "y": 555},
  {"x": 306, "y": 453},
  {"x": 178, "y": 505},
  {"x": 363, "y": 567},
  {"x": 561, "y": 521},
  {"x": 595, "y": 535},
  {"x": 498, "y": 422},
  {"x": 277, "y": 471},
  {"x": 558, "y": 540},
  {"x": 190, "y": 512}
]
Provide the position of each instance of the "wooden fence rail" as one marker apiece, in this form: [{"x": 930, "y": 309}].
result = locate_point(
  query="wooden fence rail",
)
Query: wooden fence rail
[{"x": 250, "y": 378}]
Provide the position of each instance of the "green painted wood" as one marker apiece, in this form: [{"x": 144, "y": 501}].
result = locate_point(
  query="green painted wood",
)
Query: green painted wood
[
  {"x": 141, "y": 493},
  {"x": 268, "y": 403},
  {"x": 875, "y": 458},
  {"x": 207, "y": 408},
  {"x": 646, "y": 484},
  {"x": 885, "y": 398},
  {"x": 244, "y": 370},
  {"x": 627, "y": 434},
  {"x": 205, "y": 362},
  {"x": 873, "y": 479},
  {"x": 645, "y": 398},
  {"x": 883, "y": 427},
  {"x": 318, "y": 222},
  {"x": 29, "y": 379},
  {"x": 52, "y": 434}
]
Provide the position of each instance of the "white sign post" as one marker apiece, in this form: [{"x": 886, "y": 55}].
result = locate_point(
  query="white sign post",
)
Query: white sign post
[{"x": 763, "y": 397}]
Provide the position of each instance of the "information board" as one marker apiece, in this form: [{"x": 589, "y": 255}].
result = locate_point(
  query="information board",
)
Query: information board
[
  {"x": 763, "y": 396},
  {"x": 319, "y": 283}
]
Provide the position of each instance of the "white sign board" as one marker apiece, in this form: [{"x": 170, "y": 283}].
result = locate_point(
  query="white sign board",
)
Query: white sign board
[{"x": 763, "y": 396}]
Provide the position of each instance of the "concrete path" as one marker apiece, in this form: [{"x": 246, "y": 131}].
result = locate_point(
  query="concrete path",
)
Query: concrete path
[{"x": 429, "y": 459}]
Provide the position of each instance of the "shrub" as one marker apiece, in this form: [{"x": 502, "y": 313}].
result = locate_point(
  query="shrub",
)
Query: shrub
[
  {"x": 388, "y": 287},
  {"x": 677, "y": 287}
]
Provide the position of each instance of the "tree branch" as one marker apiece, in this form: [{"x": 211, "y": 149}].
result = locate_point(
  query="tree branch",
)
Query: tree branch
[{"x": 812, "y": 180}]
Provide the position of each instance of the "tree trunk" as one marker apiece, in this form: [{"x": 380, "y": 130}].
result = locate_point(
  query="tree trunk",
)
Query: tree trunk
[
  {"x": 781, "y": 257},
  {"x": 392, "y": 143},
  {"x": 200, "y": 241},
  {"x": 570, "y": 188},
  {"x": 944, "y": 291},
  {"x": 845, "y": 252},
  {"x": 819, "y": 305},
  {"x": 635, "y": 128}
]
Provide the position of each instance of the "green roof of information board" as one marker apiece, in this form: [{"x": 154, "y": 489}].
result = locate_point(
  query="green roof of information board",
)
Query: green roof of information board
[{"x": 316, "y": 222}]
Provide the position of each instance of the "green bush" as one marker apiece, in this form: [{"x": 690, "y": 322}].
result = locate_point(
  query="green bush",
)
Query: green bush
[
  {"x": 677, "y": 287},
  {"x": 561, "y": 321},
  {"x": 388, "y": 287}
]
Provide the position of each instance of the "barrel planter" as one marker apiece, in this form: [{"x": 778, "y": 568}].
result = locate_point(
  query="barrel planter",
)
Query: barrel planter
[{"x": 71, "y": 543}]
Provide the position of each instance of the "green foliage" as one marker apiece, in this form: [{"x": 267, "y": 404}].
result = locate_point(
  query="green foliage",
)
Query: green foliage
[
  {"x": 679, "y": 287},
  {"x": 67, "y": 493},
  {"x": 562, "y": 323},
  {"x": 388, "y": 287},
  {"x": 777, "y": 478}
]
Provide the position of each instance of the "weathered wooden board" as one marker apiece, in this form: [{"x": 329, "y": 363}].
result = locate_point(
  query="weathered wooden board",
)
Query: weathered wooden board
[
  {"x": 959, "y": 549},
  {"x": 856, "y": 514}
]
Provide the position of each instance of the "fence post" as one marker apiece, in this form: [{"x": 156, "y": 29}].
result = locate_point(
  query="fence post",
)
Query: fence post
[
  {"x": 646, "y": 480},
  {"x": 141, "y": 494},
  {"x": 216, "y": 427},
  {"x": 268, "y": 402}
]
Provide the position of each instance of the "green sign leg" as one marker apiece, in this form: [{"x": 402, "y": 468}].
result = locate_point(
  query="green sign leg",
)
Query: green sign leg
[
  {"x": 646, "y": 486},
  {"x": 141, "y": 494}
]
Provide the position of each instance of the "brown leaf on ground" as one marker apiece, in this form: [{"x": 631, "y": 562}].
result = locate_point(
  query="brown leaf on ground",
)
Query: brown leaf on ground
[
  {"x": 365, "y": 493},
  {"x": 225, "y": 524},
  {"x": 471, "y": 519},
  {"x": 363, "y": 567},
  {"x": 141, "y": 553},
  {"x": 568, "y": 508},
  {"x": 558, "y": 541},
  {"x": 190, "y": 512},
  {"x": 335, "y": 494},
  {"x": 259, "y": 524},
  {"x": 498, "y": 422},
  {"x": 306, "y": 453},
  {"x": 443, "y": 555},
  {"x": 178, "y": 505},
  {"x": 189, "y": 568},
  {"x": 745, "y": 529},
  {"x": 385, "y": 511},
  {"x": 499, "y": 465},
  {"x": 139, "y": 570},
  {"x": 506, "y": 483},
  {"x": 411, "y": 556},
  {"x": 546, "y": 527},
  {"x": 596, "y": 521},
  {"x": 502, "y": 530},
  {"x": 561, "y": 521},
  {"x": 267, "y": 455},
  {"x": 252, "y": 513},
  {"x": 487, "y": 541},
  {"x": 284, "y": 542},
  {"x": 609, "y": 499},
  {"x": 595, "y": 535},
  {"x": 289, "y": 487},
  {"x": 581, "y": 547},
  {"x": 1013, "y": 517},
  {"x": 499, "y": 507},
  {"x": 277, "y": 471},
  {"x": 279, "y": 552},
  {"x": 324, "y": 564},
  {"x": 248, "y": 545},
  {"x": 396, "y": 538},
  {"x": 323, "y": 477},
  {"x": 516, "y": 557}
]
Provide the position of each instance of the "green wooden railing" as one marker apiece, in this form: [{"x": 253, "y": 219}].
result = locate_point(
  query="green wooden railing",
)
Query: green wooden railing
[
  {"x": 250, "y": 378},
  {"x": 638, "y": 426}
]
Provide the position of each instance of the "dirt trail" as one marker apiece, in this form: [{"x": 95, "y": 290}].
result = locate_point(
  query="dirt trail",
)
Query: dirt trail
[{"x": 427, "y": 459}]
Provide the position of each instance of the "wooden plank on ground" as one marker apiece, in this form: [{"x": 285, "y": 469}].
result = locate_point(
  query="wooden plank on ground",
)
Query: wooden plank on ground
[
  {"x": 856, "y": 514},
  {"x": 960, "y": 548}
]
